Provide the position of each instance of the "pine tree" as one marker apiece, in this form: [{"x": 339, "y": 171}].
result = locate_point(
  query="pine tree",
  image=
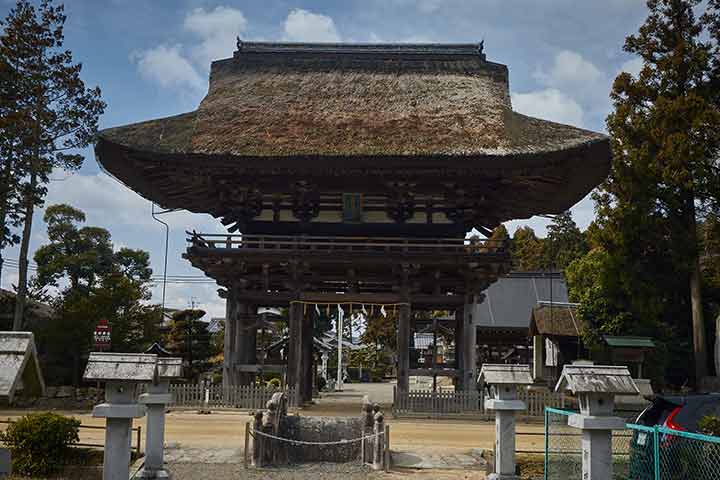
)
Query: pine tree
[{"x": 54, "y": 114}]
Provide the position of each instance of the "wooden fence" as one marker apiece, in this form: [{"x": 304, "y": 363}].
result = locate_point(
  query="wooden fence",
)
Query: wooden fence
[
  {"x": 237, "y": 396},
  {"x": 443, "y": 403},
  {"x": 435, "y": 403}
]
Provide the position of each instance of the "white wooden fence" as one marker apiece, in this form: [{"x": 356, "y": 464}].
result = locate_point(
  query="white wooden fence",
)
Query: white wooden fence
[
  {"x": 236, "y": 396},
  {"x": 444, "y": 403}
]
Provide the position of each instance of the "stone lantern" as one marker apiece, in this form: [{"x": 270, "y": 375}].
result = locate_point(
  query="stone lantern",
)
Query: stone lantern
[
  {"x": 156, "y": 399},
  {"x": 121, "y": 372},
  {"x": 504, "y": 381},
  {"x": 595, "y": 387}
]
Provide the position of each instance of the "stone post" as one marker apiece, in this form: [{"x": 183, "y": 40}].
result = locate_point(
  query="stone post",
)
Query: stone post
[
  {"x": 368, "y": 422},
  {"x": 257, "y": 451},
  {"x": 121, "y": 373},
  {"x": 379, "y": 441},
  {"x": 156, "y": 400},
  {"x": 504, "y": 380},
  {"x": 595, "y": 387},
  {"x": 119, "y": 411}
]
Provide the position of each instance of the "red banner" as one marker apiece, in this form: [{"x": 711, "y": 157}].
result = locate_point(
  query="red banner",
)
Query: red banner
[{"x": 102, "y": 335}]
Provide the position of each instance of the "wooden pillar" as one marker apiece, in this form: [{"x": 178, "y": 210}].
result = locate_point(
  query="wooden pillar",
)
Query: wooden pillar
[
  {"x": 469, "y": 355},
  {"x": 459, "y": 324},
  {"x": 403, "y": 343},
  {"x": 307, "y": 356},
  {"x": 294, "y": 370},
  {"x": 229, "y": 340},
  {"x": 241, "y": 343}
]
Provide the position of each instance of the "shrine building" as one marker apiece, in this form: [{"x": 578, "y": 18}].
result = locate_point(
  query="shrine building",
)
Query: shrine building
[{"x": 350, "y": 174}]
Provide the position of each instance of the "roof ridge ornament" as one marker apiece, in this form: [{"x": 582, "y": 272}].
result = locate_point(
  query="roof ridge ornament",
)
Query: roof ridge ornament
[{"x": 238, "y": 43}]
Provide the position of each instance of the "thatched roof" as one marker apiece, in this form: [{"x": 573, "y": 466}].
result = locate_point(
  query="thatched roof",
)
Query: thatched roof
[
  {"x": 437, "y": 104},
  {"x": 19, "y": 366},
  {"x": 558, "y": 320}
]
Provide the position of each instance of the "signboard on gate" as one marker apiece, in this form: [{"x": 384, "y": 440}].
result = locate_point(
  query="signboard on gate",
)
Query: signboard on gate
[{"x": 102, "y": 335}]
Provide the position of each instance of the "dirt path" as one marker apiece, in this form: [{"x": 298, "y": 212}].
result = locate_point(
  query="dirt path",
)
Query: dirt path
[{"x": 227, "y": 429}]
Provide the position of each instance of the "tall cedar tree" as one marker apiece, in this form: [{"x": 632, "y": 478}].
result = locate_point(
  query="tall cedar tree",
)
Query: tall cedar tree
[
  {"x": 9, "y": 192},
  {"x": 564, "y": 242},
  {"x": 665, "y": 142},
  {"x": 55, "y": 114}
]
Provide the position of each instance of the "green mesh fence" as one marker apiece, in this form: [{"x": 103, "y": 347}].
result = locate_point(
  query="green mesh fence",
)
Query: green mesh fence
[
  {"x": 563, "y": 451},
  {"x": 639, "y": 452}
]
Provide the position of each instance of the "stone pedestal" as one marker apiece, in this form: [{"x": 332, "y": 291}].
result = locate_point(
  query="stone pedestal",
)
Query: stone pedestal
[
  {"x": 504, "y": 381},
  {"x": 156, "y": 401},
  {"x": 505, "y": 433},
  {"x": 597, "y": 425},
  {"x": 119, "y": 411},
  {"x": 595, "y": 387}
]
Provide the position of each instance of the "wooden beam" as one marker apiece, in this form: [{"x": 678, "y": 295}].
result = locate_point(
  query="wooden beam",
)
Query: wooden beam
[{"x": 430, "y": 372}]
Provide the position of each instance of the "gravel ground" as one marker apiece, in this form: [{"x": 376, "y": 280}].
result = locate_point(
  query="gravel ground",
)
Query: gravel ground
[{"x": 316, "y": 471}]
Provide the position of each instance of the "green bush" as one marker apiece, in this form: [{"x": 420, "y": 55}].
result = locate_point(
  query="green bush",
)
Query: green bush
[
  {"x": 710, "y": 425},
  {"x": 40, "y": 442},
  {"x": 275, "y": 383}
]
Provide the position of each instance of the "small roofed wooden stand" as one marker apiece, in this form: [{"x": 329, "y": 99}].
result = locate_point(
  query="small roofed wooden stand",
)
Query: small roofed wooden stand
[
  {"x": 121, "y": 372},
  {"x": 504, "y": 381},
  {"x": 595, "y": 387},
  {"x": 560, "y": 325},
  {"x": 19, "y": 366},
  {"x": 352, "y": 173},
  {"x": 156, "y": 399}
]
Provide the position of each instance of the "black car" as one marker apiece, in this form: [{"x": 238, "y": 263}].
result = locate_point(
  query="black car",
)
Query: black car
[{"x": 680, "y": 413}]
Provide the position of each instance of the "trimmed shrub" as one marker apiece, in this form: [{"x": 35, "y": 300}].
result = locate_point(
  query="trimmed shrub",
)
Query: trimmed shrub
[
  {"x": 40, "y": 442},
  {"x": 274, "y": 383}
]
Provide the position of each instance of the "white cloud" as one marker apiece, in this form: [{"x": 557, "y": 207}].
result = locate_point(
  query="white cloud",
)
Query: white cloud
[
  {"x": 303, "y": 26},
  {"x": 217, "y": 30},
  {"x": 550, "y": 104},
  {"x": 569, "y": 69},
  {"x": 167, "y": 66},
  {"x": 633, "y": 66},
  {"x": 578, "y": 79}
]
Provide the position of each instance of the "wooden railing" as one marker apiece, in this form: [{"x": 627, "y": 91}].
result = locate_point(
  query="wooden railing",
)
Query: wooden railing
[
  {"x": 292, "y": 243},
  {"x": 443, "y": 403},
  {"x": 249, "y": 397}
]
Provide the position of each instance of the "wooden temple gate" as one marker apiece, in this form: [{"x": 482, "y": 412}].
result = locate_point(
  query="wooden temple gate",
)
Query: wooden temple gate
[
  {"x": 294, "y": 271},
  {"x": 354, "y": 173}
]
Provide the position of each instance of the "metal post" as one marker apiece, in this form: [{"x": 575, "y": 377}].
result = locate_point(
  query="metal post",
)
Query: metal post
[{"x": 656, "y": 452}]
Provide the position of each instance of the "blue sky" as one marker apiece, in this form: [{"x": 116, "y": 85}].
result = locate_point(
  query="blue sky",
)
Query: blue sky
[{"x": 151, "y": 59}]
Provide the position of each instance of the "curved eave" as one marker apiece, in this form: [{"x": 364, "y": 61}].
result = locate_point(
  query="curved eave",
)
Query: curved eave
[{"x": 561, "y": 177}]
